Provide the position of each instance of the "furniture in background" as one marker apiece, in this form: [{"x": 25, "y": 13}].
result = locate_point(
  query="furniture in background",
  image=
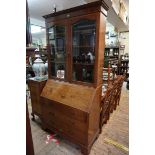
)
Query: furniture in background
[
  {"x": 111, "y": 55},
  {"x": 109, "y": 75},
  {"x": 30, "y": 52},
  {"x": 105, "y": 106},
  {"x": 124, "y": 65},
  {"x": 123, "y": 68},
  {"x": 71, "y": 98},
  {"x": 30, "y": 58},
  {"x": 110, "y": 99},
  {"x": 36, "y": 87}
]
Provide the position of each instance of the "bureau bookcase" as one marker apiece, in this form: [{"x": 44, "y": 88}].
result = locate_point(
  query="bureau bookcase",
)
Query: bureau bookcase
[{"x": 71, "y": 97}]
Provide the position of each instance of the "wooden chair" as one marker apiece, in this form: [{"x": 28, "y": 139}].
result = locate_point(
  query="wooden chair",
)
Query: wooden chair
[
  {"x": 105, "y": 107},
  {"x": 114, "y": 96},
  {"x": 110, "y": 100},
  {"x": 109, "y": 70},
  {"x": 119, "y": 89}
]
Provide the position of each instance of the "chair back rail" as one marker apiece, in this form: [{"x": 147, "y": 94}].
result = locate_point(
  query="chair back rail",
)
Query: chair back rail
[{"x": 110, "y": 100}]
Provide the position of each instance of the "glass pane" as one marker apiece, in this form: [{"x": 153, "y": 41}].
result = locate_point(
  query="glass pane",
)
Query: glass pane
[
  {"x": 57, "y": 38},
  {"x": 83, "y": 50}
]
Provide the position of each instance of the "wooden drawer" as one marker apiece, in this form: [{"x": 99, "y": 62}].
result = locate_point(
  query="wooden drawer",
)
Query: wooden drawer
[
  {"x": 66, "y": 128},
  {"x": 51, "y": 114},
  {"x": 75, "y": 114},
  {"x": 69, "y": 124}
]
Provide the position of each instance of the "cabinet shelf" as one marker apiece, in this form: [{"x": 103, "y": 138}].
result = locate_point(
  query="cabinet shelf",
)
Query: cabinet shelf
[
  {"x": 85, "y": 64},
  {"x": 59, "y": 47},
  {"x": 112, "y": 47},
  {"x": 112, "y": 59},
  {"x": 82, "y": 46},
  {"x": 112, "y": 56},
  {"x": 56, "y": 34},
  {"x": 87, "y": 31},
  {"x": 124, "y": 60},
  {"x": 58, "y": 62},
  {"x": 56, "y": 38}
]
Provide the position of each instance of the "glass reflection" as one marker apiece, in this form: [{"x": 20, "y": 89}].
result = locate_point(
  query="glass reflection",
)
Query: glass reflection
[
  {"x": 83, "y": 50},
  {"x": 58, "y": 51}
]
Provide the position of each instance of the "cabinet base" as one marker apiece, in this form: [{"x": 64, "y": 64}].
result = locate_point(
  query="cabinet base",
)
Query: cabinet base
[{"x": 85, "y": 150}]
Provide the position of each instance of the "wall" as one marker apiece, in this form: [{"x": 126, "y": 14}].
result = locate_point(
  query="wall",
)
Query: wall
[
  {"x": 37, "y": 22},
  {"x": 40, "y": 37},
  {"x": 110, "y": 28},
  {"x": 124, "y": 40}
]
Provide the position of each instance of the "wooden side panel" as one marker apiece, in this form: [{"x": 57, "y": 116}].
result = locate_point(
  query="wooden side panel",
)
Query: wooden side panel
[
  {"x": 35, "y": 91},
  {"x": 94, "y": 117},
  {"x": 101, "y": 47}
]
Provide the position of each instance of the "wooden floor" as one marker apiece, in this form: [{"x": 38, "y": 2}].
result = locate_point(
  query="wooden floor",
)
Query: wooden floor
[{"x": 116, "y": 129}]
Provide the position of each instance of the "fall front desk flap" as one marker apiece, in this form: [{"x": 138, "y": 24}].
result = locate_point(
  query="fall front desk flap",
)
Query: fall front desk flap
[{"x": 76, "y": 96}]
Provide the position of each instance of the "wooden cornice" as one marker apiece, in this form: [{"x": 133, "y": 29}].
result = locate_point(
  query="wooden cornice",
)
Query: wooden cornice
[{"x": 85, "y": 6}]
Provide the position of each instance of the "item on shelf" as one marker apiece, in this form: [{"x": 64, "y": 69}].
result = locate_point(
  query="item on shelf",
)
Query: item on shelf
[
  {"x": 84, "y": 73},
  {"x": 105, "y": 76},
  {"x": 83, "y": 57},
  {"x": 89, "y": 76},
  {"x": 52, "y": 52},
  {"x": 74, "y": 76},
  {"x": 39, "y": 68},
  {"x": 74, "y": 59},
  {"x": 59, "y": 57},
  {"x": 30, "y": 60},
  {"x": 46, "y": 67},
  {"x": 111, "y": 52},
  {"x": 104, "y": 88},
  {"x": 88, "y": 59},
  {"x": 126, "y": 57},
  {"x": 91, "y": 57},
  {"x": 78, "y": 59},
  {"x": 61, "y": 74}
]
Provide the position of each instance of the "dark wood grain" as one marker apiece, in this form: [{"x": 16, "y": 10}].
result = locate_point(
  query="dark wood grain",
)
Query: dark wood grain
[{"x": 35, "y": 91}]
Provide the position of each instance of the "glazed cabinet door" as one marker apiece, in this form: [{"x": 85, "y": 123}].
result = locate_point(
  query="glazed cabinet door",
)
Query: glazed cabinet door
[
  {"x": 56, "y": 36},
  {"x": 83, "y": 49}
]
